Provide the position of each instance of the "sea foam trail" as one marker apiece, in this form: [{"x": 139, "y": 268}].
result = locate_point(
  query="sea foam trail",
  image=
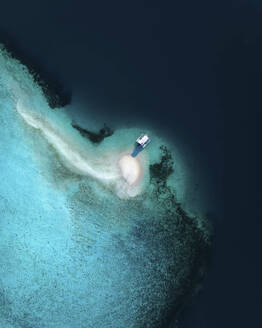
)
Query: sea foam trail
[
  {"x": 123, "y": 172},
  {"x": 66, "y": 150}
]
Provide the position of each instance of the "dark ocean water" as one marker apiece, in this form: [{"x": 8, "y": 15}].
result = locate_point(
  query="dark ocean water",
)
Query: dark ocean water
[{"x": 182, "y": 68}]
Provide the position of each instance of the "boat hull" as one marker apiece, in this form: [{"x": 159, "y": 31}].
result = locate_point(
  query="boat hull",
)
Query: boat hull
[{"x": 137, "y": 150}]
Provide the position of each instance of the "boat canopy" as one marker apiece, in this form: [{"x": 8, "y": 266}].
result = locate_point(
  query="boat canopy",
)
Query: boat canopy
[{"x": 143, "y": 139}]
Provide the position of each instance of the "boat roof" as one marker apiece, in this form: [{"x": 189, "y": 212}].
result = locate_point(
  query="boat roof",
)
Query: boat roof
[{"x": 143, "y": 138}]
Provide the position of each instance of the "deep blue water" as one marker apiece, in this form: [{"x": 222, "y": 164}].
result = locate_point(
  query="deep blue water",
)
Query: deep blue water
[{"x": 181, "y": 67}]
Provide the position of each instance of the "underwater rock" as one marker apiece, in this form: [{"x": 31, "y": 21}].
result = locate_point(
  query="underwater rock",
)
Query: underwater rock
[
  {"x": 92, "y": 136},
  {"x": 56, "y": 95},
  {"x": 164, "y": 168},
  {"x": 190, "y": 243}
]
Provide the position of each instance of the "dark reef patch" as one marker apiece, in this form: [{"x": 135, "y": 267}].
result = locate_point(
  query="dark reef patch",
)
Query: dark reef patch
[
  {"x": 164, "y": 168},
  {"x": 92, "y": 136},
  {"x": 188, "y": 240},
  {"x": 56, "y": 94}
]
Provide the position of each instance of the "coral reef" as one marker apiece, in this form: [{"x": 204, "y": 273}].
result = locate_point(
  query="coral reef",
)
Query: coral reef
[{"x": 92, "y": 136}]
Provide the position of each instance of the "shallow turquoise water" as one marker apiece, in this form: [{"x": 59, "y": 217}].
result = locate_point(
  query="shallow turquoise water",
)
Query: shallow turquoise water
[{"x": 72, "y": 252}]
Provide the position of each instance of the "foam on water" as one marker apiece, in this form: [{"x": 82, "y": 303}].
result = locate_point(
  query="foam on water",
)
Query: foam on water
[{"x": 83, "y": 241}]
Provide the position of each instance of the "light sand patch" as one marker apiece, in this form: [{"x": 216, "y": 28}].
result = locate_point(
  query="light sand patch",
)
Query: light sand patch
[{"x": 131, "y": 169}]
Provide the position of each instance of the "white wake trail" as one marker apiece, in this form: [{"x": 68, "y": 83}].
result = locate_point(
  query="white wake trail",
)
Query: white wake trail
[
  {"x": 121, "y": 171},
  {"x": 65, "y": 149}
]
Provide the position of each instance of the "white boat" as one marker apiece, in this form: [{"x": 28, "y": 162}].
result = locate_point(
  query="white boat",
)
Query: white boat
[
  {"x": 141, "y": 143},
  {"x": 143, "y": 140}
]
